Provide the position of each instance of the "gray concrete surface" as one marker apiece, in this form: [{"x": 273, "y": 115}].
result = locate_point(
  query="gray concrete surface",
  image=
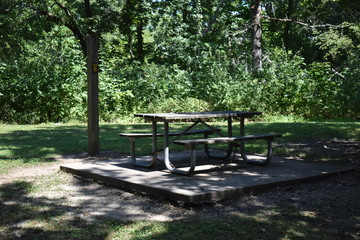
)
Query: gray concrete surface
[{"x": 213, "y": 179}]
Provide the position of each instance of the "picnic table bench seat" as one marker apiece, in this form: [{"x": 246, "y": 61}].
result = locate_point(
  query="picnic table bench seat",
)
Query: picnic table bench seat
[
  {"x": 133, "y": 136},
  {"x": 195, "y": 142},
  {"x": 192, "y": 143},
  {"x": 171, "y": 134}
]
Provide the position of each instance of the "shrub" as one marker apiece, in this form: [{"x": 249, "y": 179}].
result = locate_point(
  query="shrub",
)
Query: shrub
[{"x": 188, "y": 104}]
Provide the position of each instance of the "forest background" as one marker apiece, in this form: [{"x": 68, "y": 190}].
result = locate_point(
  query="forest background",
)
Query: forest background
[{"x": 179, "y": 56}]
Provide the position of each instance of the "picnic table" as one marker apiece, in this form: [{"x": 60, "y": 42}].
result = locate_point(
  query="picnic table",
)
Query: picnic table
[{"x": 197, "y": 118}]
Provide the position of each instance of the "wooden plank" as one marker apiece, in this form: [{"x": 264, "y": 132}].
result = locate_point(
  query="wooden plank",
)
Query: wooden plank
[
  {"x": 213, "y": 182},
  {"x": 196, "y": 131},
  {"x": 224, "y": 139},
  {"x": 195, "y": 115}
]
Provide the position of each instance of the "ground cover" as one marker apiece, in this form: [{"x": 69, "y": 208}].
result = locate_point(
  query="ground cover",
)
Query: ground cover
[
  {"x": 35, "y": 144},
  {"x": 37, "y": 201}
]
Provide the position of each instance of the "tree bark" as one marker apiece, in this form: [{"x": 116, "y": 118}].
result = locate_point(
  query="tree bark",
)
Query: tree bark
[
  {"x": 87, "y": 8},
  {"x": 128, "y": 20},
  {"x": 289, "y": 12},
  {"x": 140, "y": 41},
  {"x": 255, "y": 9},
  {"x": 92, "y": 43}
]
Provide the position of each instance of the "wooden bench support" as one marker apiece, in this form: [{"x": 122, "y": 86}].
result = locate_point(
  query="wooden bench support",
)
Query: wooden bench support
[
  {"x": 133, "y": 136},
  {"x": 191, "y": 144}
]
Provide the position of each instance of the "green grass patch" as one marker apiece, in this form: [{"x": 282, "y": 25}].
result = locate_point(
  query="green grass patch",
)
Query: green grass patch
[
  {"x": 23, "y": 145},
  {"x": 23, "y": 215},
  {"x": 44, "y": 219}
]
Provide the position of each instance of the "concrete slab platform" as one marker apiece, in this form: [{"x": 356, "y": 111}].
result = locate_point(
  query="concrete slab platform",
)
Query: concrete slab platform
[{"x": 213, "y": 180}]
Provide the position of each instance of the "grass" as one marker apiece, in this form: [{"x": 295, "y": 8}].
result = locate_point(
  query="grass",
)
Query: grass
[
  {"x": 25, "y": 145},
  {"x": 44, "y": 218}
]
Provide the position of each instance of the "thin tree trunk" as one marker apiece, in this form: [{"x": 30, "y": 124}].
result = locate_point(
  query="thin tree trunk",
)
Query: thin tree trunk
[
  {"x": 256, "y": 35},
  {"x": 289, "y": 12},
  {"x": 140, "y": 41},
  {"x": 87, "y": 8}
]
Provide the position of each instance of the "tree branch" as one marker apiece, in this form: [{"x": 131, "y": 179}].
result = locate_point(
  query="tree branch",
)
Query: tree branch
[
  {"x": 301, "y": 23},
  {"x": 73, "y": 27},
  {"x": 46, "y": 14},
  {"x": 5, "y": 11},
  {"x": 70, "y": 24},
  {"x": 66, "y": 11},
  {"x": 213, "y": 19},
  {"x": 337, "y": 74}
]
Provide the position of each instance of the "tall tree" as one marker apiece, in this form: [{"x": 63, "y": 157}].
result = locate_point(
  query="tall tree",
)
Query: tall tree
[
  {"x": 77, "y": 16},
  {"x": 256, "y": 35}
]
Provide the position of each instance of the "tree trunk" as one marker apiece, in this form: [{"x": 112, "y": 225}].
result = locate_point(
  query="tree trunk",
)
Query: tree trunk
[
  {"x": 140, "y": 41},
  {"x": 92, "y": 43},
  {"x": 286, "y": 35},
  {"x": 128, "y": 19},
  {"x": 87, "y": 8},
  {"x": 256, "y": 35}
]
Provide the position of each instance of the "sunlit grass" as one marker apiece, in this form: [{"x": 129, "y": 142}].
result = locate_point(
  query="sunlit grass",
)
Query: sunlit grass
[
  {"x": 24, "y": 201},
  {"x": 21, "y": 145},
  {"x": 233, "y": 227}
]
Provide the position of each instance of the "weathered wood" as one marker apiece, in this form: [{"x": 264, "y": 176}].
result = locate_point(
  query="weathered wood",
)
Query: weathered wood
[
  {"x": 143, "y": 135},
  {"x": 191, "y": 145},
  {"x": 225, "y": 139},
  {"x": 133, "y": 136},
  {"x": 93, "y": 94},
  {"x": 194, "y": 115}
]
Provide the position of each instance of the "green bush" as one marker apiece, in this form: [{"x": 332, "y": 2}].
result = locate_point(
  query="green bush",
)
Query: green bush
[
  {"x": 45, "y": 84},
  {"x": 188, "y": 104}
]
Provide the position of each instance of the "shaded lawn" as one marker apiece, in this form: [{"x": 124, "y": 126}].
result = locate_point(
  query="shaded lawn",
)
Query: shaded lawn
[
  {"x": 34, "y": 144},
  {"x": 23, "y": 216}
]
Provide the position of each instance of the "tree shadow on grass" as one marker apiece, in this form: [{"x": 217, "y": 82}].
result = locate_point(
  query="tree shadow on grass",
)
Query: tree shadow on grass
[
  {"x": 24, "y": 217},
  {"x": 309, "y": 211},
  {"x": 285, "y": 222},
  {"x": 287, "y": 213},
  {"x": 42, "y": 143},
  {"x": 315, "y": 141}
]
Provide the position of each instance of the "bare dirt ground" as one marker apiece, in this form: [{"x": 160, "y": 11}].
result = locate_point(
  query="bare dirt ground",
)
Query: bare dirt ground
[{"x": 335, "y": 200}]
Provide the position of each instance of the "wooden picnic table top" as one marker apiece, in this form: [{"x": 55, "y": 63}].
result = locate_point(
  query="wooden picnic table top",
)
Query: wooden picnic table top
[{"x": 195, "y": 115}]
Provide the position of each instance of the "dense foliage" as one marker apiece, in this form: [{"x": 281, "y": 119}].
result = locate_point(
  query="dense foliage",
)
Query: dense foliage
[{"x": 179, "y": 55}]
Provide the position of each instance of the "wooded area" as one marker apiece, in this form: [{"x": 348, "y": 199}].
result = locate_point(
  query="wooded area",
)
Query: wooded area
[{"x": 282, "y": 57}]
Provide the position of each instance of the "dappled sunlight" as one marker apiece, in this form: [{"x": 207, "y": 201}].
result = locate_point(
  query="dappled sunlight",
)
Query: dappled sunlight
[
  {"x": 59, "y": 204},
  {"x": 38, "y": 209},
  {"x": 42, "y": 141}
]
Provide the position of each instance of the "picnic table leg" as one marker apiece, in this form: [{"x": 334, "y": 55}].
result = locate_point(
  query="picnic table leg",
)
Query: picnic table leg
[
  {"x": 230, "y": 146},
  {"x": 154, "y": 141},
  {"x": 154, "y": 146},
  {"x": 242, "y": 133},
  {"x": 167, "y": 161},
  {"x": 230, "y": 134},
  {"x": 269, "y": 141}
]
